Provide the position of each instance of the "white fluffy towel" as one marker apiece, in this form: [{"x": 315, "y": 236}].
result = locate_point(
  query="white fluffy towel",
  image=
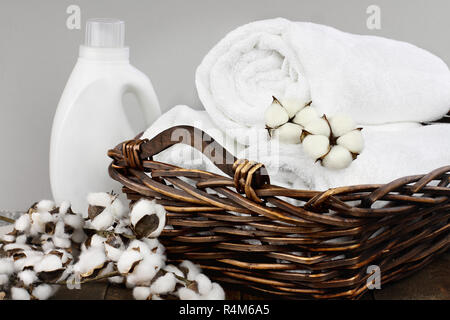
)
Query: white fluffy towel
[
  {"x": 392, "y": 151},
  {"x": 372, "y": 79},
  {"x": 183, "y": 155}
]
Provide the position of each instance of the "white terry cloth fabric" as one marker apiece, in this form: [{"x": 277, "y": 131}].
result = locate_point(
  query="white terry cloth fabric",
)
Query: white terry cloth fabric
[
  {"x": 391, "y": 151},
  {"x": 372, "y": 79},
  {"x": 183, "y": 155}
]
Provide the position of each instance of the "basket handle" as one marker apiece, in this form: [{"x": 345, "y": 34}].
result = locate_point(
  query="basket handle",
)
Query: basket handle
[{"x": 132, "y": 153}]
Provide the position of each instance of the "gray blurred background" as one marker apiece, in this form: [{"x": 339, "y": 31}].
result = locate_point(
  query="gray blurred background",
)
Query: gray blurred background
[{"x": 168, "y": 39}]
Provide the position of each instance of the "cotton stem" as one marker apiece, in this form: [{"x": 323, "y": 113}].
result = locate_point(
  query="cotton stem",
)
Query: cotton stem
[
  {"x": 98, "y": 278},
  {"x": 6, "y": 219}
]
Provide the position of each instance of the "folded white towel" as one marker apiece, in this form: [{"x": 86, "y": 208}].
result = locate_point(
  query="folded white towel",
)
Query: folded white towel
[
  {"x": 183, "y": 155},
  {"x": 392, "y": 151},
  {"x": 372, "y": 79}
]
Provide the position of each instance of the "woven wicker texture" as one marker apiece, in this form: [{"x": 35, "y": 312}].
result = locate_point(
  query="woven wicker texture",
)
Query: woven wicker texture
[{"x": 290, "y": 243}]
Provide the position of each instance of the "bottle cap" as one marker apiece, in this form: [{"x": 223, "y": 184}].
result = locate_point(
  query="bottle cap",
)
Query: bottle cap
[{"x": 105, "y": 33}]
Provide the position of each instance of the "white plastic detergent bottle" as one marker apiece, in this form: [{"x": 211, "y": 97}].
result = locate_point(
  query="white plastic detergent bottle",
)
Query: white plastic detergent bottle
[{"x": 91, "y": 119}]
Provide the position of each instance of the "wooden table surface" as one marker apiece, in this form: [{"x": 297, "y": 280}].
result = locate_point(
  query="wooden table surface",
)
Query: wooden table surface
[{"x": 430, "y": 283}]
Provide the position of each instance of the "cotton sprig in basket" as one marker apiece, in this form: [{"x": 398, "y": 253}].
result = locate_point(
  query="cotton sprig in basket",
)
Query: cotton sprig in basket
[
  {"x": 52, "y": 246},
  {"x": 335, "y": 141}
]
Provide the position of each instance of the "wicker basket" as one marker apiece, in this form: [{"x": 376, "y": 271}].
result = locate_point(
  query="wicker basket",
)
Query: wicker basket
[{"x": 245, "y": 231}]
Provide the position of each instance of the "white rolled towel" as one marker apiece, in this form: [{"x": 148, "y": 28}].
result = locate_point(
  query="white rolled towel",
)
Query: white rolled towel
[{"x": 372, "y": 79}]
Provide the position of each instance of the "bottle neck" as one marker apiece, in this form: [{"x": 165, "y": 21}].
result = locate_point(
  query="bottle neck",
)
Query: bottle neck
[{"x": 104, "y": 54}]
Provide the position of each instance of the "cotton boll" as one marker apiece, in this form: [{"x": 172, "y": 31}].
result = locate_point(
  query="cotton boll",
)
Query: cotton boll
[
  {"x": 47, "y": 244},
  {"x": 37, "y": 225},
  {"x": 112, "y": 253},
  {"x": 22, "y": 239},
  {"x": 306, "y": 115},
  {"x": 116, "y": 279},
  {"x": 140, "y": 209},
  {"x": 288, "y": 133},
  {"x": 62, "y": 254},
  {"x": 164, "y": 284},
  {"x": 90, "y": 260},
  {"x": 114, "y": 248},
  {"x": 204, "y": 284},
  {"x": 23, "y": 223},
  {"x": 73, "y": 220},
  {"x": 103, "y": 221},
  {"x": 45, "y": 206},
  {"x": 353, "y": 141},
  {"x": 341, "y": 124},
  {"x": 19, "y": 294},
  {"x": 216, "y": 293},
  {"x": 338, "y": 158},
  {"x": 45, "y": 217},
  {"x": 123, "y": 222},
  {"x": 142, "y": 213},
  {"x": 127, "y": 260},
  {"x": 292, "y": 106},
  {"x": 192, "y": 270},
  {"x": 28, "y": 277},
  {"x": 275, "y": 115},
  {"x": 64, "y": 207},
  {"x": 118, "y": 209},
  {"x": 66, "y": 257},
  {"x": 141, "y": 293},
  {"x": 8, "y": 238},
  {"x": 123, "y": 227},
  {"x": 161, "y": 214},
  {"x": 296, "y": 97},
  {"x": 32, "y": 259},
  {"x": 61, "y": 242},
  {"x": 145, "y": 270},
  {"x": 101, "y": 199},
  {"x": 187, "y": 294},
  {"x": 171, "y": 268},
  {"x": 316, "y": 146},
  {"x": 43, "y": 292},
  {"x": 38, "y": 221},
  {"x": 154, "y": 245},
  {"x": 4, "y": 279},
  {"x": 48, "y": 263},
  {"x": 97, "y": 241},
  {"x": 14, "y": 246},
  {"x": 6, "y": 266},
  {"x": 318, "y": 126},
  {"x": 60, "y": 229},
  {"x": 140, "y": 246},
  {"x": 45, "y": 237}
]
